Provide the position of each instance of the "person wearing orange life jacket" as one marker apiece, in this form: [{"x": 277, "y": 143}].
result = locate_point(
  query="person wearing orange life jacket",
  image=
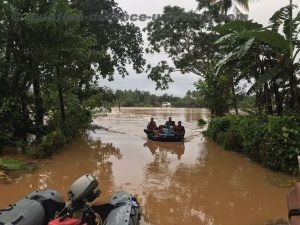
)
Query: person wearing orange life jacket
[
  {"x": 179, "y": 129},
  {"x": 151, "y": 125}
]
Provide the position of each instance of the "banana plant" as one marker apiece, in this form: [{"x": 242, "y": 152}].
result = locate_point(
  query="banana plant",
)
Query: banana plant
[
  {"x": 275, "y": 53},
  {"x": 290, "y": 25}
]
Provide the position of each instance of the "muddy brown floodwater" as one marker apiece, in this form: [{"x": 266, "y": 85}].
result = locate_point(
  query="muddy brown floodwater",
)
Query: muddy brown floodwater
[{"x": 193, "y": 183}]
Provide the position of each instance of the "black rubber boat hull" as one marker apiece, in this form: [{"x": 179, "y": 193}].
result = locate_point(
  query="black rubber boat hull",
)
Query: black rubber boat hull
[
  {"x": 126, "y": 210},
  {"x": 122, "y": 209},
  {"x": 163, "y": 138},
  {"x": 31, "y": 210}
]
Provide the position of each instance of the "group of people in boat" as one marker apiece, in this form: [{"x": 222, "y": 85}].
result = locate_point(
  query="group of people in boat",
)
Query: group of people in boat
[{"x": 169, "y": 127}]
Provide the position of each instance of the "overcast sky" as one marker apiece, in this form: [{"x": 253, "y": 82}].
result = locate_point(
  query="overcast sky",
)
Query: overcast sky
[{"x": 260, "y": 11}]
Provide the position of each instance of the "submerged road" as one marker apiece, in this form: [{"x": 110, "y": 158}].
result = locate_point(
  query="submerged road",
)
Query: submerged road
[{"x": 193, "y": 183}]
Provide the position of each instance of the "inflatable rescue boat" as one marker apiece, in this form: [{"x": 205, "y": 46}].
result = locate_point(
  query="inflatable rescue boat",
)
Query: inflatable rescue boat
[
  {"x": 168, "y": 137},
  {"x": 46, "y": 207}
]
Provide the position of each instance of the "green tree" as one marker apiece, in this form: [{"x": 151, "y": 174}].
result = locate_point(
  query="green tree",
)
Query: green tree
[
  {"x": 53, "y": 55},
  {"x": 184, "y": 38},
  {"x": 276, "y": 59},
  {"x": 188, "y": 39},
  {"x": 225, "y": 5},
  {"x": 118, "y": 42}
]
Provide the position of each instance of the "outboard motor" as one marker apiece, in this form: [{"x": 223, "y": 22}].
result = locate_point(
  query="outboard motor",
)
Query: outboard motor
[
  {"x": 122, "y": 208},
  {"x": 39, "y": 207},
  {"x": 85, "y": 189},
  {"x": 34, "y": 209},
  {"x": 81, "y": 193}
]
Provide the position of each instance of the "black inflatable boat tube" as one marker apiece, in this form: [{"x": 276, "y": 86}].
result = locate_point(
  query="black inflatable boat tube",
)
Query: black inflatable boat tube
[{"x": 29, "y": 210}]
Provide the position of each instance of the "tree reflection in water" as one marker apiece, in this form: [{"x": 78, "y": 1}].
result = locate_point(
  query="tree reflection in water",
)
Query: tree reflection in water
[
  {"x": 84, "y": 155},
  {"x": 100, "y": 156}
]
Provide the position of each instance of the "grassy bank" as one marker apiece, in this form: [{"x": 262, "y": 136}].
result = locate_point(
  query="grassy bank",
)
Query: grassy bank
[
  {"x": 11, "y": 165},
  {"x": 272, "y": 141}
]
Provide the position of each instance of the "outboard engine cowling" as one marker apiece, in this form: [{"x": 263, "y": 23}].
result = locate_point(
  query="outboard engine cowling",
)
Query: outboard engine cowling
[{"x": 30, "y": 210}]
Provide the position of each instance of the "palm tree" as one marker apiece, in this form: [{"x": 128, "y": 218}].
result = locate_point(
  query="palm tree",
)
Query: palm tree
[{"x": 225, "y": 5}]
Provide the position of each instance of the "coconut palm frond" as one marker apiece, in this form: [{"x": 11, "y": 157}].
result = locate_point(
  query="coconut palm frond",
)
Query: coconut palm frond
[{"x": 243, "y": 3}]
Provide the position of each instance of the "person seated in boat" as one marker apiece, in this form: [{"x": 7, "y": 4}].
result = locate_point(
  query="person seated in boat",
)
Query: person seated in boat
[
  {"x": 179, "y": 129},
  {"x": 170, "y": 122},
  {"x": 158, "y": 130},
  {"x": 165, "y": 129},
  {"x": 151, "y": 125},
  {"x": 172, "y": 130}
]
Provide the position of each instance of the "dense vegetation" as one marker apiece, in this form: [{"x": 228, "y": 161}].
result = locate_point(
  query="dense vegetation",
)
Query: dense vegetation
[
  {"x": 270, "y": 140},
  {"x": 129, "y": 98},
  {"x": 52, "y": 55},
  {"x": 230, "y": 56}
]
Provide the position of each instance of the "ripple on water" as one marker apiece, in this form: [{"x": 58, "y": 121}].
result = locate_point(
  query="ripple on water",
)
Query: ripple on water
[{"x": 195, "y": 183}]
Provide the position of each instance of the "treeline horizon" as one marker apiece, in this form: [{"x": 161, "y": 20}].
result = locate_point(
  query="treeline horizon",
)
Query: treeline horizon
[{"x": 138, "y": 98}]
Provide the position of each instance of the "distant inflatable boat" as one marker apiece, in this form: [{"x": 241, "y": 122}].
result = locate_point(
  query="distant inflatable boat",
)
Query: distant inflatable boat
[{"x": 163, "y": 137}]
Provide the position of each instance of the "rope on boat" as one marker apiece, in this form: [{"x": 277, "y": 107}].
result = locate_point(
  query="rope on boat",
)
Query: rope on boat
[{"x": 98, "y": 219}]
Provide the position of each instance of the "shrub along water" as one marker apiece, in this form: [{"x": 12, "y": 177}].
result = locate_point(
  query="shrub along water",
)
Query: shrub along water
[
  {"x": 272, "y": 141},
  {"x": 201, "y": 122}
]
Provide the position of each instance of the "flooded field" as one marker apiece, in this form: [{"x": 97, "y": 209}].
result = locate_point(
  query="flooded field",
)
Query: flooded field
[{"x": 194, "y": 183}]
